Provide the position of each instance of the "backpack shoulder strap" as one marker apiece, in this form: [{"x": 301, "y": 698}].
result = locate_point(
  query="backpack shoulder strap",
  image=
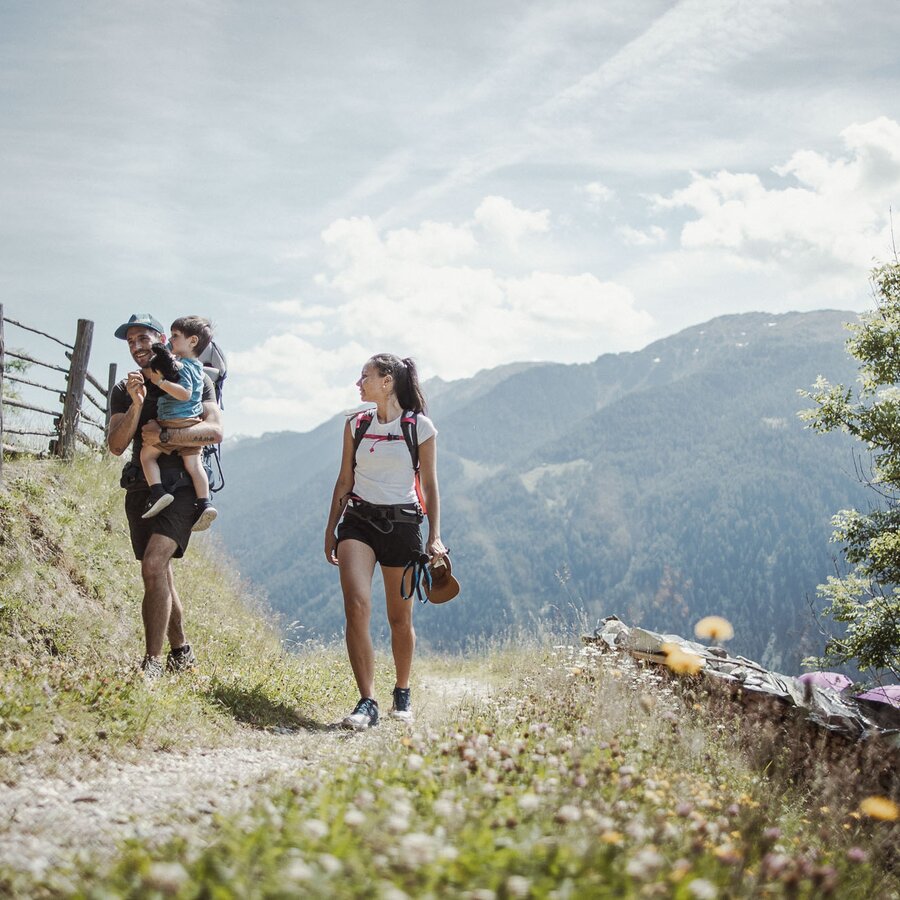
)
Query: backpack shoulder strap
[
  {"x": 409, "y": 422},
  {"x": 363, "y": 421}
]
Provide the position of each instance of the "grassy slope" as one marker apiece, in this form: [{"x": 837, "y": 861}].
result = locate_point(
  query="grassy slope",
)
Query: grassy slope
[{"x": 582, "y": 777}]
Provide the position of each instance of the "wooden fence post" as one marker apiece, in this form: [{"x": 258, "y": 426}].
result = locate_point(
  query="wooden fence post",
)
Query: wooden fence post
[
  {"x": 2, "y": 366},
  {"x": 68, "y": 423},
  {"x": 111, "y": 383}
]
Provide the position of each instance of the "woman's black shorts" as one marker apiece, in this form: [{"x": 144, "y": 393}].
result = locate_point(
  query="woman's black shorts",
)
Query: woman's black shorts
[{"x": 397, "y": 548}]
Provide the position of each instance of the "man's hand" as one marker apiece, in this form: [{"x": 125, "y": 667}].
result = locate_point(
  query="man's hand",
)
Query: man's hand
[{"x": 136, "y": 387}]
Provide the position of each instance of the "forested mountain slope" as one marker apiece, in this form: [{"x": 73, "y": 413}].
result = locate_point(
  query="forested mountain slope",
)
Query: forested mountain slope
[{"x": 660, "y": 485}]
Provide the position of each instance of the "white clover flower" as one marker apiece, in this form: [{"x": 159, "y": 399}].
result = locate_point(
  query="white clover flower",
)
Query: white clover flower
[
  {"x": 529, "y": 802},
  {"x": 397, "y": 824},
  {"x": 645, "y": 864},
  {"x": 298, "y": 870},
  {"x": 568, "y": 813},
  {"x": 354, "y": 817},
  {"x": 418, "y": 849},
  {"x": 703, "y": 889},
  {"x": 329, "y": 864},
  {"x": 166, "y": 877},
  {"x": 443, "y": 807},
  {"x": 315, "y": 828},
  {"x": 415, "y": 762},
  {"x": 517, "y": 886}
]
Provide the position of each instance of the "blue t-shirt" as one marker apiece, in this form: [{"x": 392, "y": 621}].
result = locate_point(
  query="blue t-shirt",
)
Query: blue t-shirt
[{"x": 191, "y": 377}]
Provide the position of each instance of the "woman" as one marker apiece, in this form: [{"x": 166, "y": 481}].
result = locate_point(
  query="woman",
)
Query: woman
[{"x": 376, "y": 493}]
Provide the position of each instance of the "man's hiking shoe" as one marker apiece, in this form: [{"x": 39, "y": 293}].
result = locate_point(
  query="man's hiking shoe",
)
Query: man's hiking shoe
[
  {"x": 206, "y": 515},
  {"x": 151, "y": 668},
  {"x": 364, "y": 715},
  {"x": 181, "y": 659},
  {"x": 401, "y": 709},
  {"x": 155, "y": 506}
]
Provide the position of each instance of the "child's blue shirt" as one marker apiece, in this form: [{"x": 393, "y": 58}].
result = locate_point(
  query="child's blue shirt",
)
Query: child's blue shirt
[{"x": 191, "y": 377}]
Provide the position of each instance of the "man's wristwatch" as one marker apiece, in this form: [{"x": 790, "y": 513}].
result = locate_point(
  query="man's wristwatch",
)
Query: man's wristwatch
[{"x": 164, "y": 436}]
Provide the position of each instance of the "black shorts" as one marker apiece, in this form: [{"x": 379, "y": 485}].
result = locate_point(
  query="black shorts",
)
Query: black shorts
[
  {"x": 400, "y": 546},
  {"x": 175, "y": 521}
]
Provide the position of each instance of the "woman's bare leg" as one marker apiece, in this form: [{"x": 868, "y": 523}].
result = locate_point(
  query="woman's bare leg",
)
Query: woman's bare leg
[{"x": 356, "y": 562}]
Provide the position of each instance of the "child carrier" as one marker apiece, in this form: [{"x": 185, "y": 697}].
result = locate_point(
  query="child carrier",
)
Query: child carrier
[{"x": 216, "y": 366}]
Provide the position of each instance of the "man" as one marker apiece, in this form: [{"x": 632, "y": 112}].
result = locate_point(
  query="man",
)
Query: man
[{"x": 158, "y": 540}]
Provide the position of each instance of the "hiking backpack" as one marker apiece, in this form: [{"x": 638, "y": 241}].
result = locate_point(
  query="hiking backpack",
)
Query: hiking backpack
[
  {"x": 408, "y": 425},
  {"x": 214, "y": 365}
]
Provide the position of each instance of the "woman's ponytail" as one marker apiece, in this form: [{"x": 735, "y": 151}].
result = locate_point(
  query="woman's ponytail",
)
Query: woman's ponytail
[{"x": 406, "y": 380}]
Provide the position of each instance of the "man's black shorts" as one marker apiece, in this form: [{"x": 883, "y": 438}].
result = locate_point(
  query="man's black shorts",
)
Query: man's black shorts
[
  {"x": 396, "y": 548},
  {"x": 175, "y": 521}
]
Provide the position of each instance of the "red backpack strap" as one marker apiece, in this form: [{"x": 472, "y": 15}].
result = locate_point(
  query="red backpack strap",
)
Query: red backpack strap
[{"x": 409, "y": 423}]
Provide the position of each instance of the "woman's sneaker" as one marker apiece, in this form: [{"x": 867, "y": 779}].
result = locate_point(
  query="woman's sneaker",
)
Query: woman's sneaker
[
  {"x": 364, "y": 715},
  {"x": 401, "y": 708}
]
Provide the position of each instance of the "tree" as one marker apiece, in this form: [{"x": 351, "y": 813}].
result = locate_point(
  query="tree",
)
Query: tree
[{"x": 866, "y": 600}]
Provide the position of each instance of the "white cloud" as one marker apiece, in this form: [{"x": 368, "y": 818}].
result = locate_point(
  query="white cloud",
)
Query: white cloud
[
  {"x": 637, "y": 238},
  {"x": 598, "y": 193},
  {"x": 464, "y": 317},
  {"x": 509, "y": 224},
  {"x": 433, "y": 292},
  {"x": 836, "y": 208}
]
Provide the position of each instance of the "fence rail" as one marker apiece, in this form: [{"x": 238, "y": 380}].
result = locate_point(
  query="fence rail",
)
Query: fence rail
[{"x": 67, "y": 429}]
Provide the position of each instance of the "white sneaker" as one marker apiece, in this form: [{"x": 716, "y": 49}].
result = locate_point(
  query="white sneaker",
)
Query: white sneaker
[
  {"x": 401, "y": 709},
  {"x": 364, "y": 715}
]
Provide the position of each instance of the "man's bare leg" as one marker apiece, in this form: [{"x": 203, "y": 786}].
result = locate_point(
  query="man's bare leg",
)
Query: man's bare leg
[
  {"x": 156, "y": 608},
  {"x": 176, "y": 614}
]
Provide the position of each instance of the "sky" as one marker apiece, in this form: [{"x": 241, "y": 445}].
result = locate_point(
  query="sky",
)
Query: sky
[{"x": 470, "y": 184}]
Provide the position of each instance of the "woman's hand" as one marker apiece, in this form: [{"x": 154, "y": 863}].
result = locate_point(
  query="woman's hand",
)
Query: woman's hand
[
  {"x": 331, "y": 548},
  {"x": 435, "y": 547}
]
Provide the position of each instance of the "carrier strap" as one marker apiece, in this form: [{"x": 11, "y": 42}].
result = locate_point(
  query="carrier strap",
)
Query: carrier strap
[{"x": 419, "y": 579}]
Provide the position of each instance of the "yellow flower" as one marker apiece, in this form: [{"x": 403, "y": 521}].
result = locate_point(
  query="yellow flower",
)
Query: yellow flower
[
  {"x": 611, "y": 837},
  {"x": 680, "y": 661},
  {"x": 880, "y": 808},
  {"x": 715, "y": 628}
]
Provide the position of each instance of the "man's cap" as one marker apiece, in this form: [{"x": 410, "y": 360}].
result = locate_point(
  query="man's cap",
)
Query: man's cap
[{"x": 142, "y": 320}]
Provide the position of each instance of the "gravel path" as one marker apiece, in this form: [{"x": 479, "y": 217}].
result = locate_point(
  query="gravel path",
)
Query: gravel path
[{"x": 95, "y": 805}]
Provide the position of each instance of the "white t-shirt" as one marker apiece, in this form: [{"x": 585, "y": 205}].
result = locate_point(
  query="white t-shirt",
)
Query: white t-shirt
[{"x": 384, "y": 472}]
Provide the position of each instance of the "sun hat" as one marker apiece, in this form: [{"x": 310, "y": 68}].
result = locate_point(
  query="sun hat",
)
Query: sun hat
[
  {"x": 142, "y": 320},
  {"x": 443, "y": 586}
]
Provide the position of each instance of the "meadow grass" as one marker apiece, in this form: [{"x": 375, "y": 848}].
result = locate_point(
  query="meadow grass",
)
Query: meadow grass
[{"x": 567, "y": 773}]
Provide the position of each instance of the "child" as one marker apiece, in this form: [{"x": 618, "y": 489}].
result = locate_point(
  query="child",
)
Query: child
[{"x": 180, "y": 378}]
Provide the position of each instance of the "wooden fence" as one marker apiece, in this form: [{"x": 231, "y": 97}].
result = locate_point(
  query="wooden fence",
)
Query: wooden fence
[{"x": 73, "y": 422}]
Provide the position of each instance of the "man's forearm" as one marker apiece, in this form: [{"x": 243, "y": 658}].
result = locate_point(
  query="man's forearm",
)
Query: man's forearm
[
  {"x": 200, "y": 435},
  {"x": 123, "y": 430}
]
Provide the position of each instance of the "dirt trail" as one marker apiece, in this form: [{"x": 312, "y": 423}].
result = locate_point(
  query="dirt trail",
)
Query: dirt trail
[{"x": 95, "y": 804}]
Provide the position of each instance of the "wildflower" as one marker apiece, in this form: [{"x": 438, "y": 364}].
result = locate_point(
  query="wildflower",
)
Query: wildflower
[
  {"x": 568, "y": 813},
  {"x": 680, "y": 661},
  {"x": 529, "y": 802},
  {"x": 354, "y": 817},
  {"x": 517, "y": 886},
  {"x": 414, "y": 761},
  {"x": 644, "y": 864},
  {"x": 418, "y": 849},
  {"x": 880, "y": 808},
  {"x": 331, "y": 865},
  {"x": 703, "y": 889},
  {"x": 297, "y": 870},
  {"x": 315, "y": 828},
  {"x": 611, "y": 837},
  {"x": 166, "y": 877},
  {"x": 714, "y": 628},
  {"x": 857, "y": 855}
]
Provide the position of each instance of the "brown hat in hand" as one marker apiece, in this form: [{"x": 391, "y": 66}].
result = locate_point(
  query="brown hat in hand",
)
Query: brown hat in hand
[{"x": 444, "y": 586}]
